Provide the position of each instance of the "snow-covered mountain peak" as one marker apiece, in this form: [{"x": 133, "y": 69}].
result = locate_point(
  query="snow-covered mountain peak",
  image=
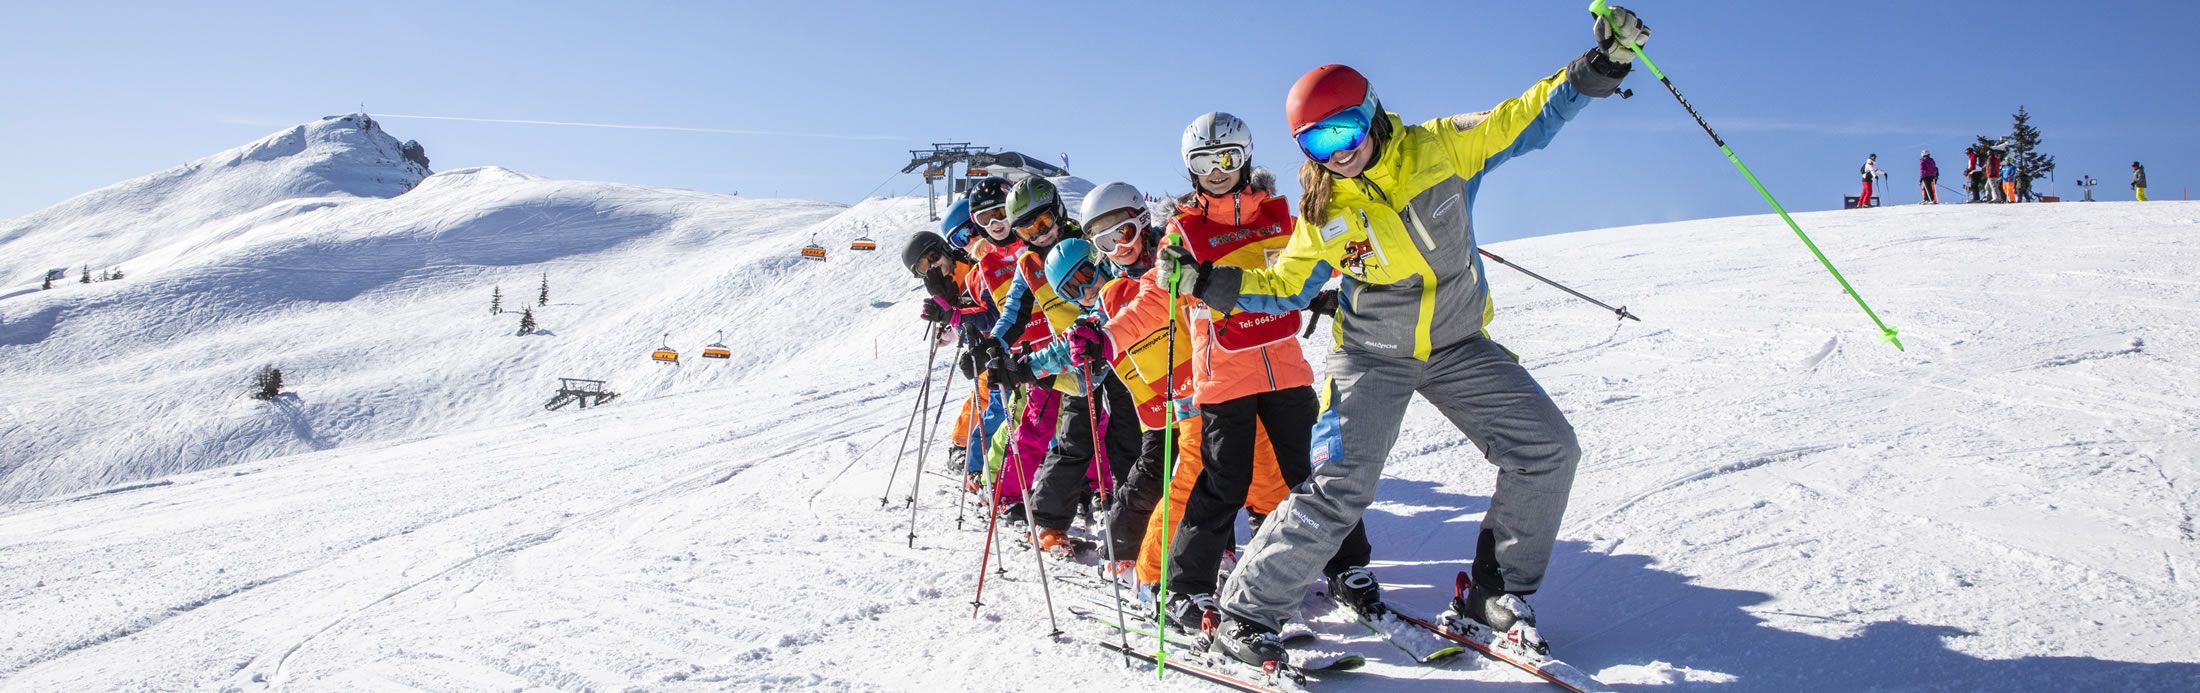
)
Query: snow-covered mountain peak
[{"x": 336, "y": 156}]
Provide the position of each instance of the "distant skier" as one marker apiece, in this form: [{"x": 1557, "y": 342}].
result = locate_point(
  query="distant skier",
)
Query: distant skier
[
  {"x": 1870, "y": 169},
  {"x": 2139, "y": 181},
  {"x": 1928, "y": 178},
  {"x": 1974, "y": 171},
  {"x": 1388, "y": 204},
  {"x": 2009, "y": 181},
  {"x": 1993, "y": 175}
]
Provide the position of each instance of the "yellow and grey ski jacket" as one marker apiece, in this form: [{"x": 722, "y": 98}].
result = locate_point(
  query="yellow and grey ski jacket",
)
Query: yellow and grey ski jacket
[{"x": 1401, "y": 233}]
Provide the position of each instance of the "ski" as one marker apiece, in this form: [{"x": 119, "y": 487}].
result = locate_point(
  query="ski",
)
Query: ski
[
  {"x": 1225, "y": 679},
  {"x": 1397, "y": 631},
  {"x": 1483, "y": 640},
  {"x": 1094, "y": 589},
  {"x": 1197, "y": 649}
]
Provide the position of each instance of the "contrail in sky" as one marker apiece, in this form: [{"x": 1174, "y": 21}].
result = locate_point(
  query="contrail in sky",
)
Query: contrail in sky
[{"x": 667, "y": 128}]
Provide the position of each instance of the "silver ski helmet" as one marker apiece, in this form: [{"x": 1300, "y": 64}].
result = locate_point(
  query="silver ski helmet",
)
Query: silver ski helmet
[{"x": 1214, "y": 141}]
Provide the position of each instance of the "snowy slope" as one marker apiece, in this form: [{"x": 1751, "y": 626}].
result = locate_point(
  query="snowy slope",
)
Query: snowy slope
[
  {"x": 1773, "y": 499},
  {"x": 375, "y": 304}
]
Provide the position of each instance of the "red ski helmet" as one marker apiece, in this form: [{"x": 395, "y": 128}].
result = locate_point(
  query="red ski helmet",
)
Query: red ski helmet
[{"x": 1322, "y": 93}]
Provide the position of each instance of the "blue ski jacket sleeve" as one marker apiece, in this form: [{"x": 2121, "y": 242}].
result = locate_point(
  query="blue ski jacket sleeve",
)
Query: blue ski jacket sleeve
[{"x": 1015, "y": 310}]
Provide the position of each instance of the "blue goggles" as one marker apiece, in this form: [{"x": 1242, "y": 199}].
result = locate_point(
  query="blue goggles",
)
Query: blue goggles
[{"x": 1343, "y": 131}]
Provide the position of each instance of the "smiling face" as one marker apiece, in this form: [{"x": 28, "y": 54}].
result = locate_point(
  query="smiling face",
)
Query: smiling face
[
  {"x": 1351, "y": 162},
  {"x": 1127, "y": 239}
]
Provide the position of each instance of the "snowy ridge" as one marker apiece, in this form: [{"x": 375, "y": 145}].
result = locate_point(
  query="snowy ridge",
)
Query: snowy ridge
[
  {"x": 1772, "y": 498},
  {"x": 377, "y": 310}
]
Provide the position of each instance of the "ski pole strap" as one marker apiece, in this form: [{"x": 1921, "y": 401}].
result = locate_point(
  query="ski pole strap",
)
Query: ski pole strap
[{"x": 1602, "y": 9}]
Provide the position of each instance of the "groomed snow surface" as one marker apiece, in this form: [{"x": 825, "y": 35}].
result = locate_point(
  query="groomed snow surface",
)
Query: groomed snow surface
[{"x": 1772, "y": 498}]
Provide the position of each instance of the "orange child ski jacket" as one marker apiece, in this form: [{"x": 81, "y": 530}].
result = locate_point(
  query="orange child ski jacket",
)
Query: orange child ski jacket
[{"x": 1240, "y": 353}]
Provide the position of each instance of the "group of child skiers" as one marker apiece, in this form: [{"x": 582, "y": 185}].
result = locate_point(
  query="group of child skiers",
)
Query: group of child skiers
[{"x": 1115, "y": 345}]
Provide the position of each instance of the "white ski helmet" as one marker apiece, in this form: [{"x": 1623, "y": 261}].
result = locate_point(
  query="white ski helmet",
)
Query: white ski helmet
[
  {"x": 1215, "y": 132},
  {"x": 1109, "y": 198}
]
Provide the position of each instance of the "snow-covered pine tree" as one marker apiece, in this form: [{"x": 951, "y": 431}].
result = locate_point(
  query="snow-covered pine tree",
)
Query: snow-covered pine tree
[
  {"x": 496, "y": 301},
  {"x": 267, "y": 384},
  {"x": 87, "y": 274},
  {"x": 526, "y": 321},
  {"x": 543, "y": 298}
]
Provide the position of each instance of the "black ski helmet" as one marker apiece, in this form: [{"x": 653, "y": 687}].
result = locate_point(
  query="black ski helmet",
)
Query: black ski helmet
[
  {"x": 987, "y": 193},
  {"x": 922, "y": 244}
]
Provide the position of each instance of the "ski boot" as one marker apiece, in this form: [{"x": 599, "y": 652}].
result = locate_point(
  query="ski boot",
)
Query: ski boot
[
  {"x": 1508, "y": 617},
  {"x": 974, "y": 482},
  {"x": 1057, "y": 542},
  {"x": 1245, "y": 641},
  {"x": 1356, "y": 589},
  {"x": 1188, "y": 613},
  {"x": 1013, "y": 513}
]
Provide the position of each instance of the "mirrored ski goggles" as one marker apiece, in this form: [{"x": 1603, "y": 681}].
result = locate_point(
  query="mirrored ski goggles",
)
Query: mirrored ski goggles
[
  {"x": 1040, "y": 226},
  {"x": 960, "y": 237},
  {"x": 1079, "y": 278},
  {"x": 1337, "y": 133},
  {"x": 1223, "y": 158},
  {"x": 1107, "y": 239}
]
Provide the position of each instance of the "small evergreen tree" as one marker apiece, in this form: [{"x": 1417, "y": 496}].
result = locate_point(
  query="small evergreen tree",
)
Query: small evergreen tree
[
  {"x": 267, "y": 384},
  {"x": 116, "y": 272},
  {"x": 2024, "y": 144},
  {"x": 87, "y": 274},
  {"x": 543, "y": 299},
  {"x": 526, "y": 321},
  {"x": 496, "y": 301}
]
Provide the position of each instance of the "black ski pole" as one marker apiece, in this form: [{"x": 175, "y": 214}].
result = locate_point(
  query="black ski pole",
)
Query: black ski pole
[
  {"x": 1031, "y": 532},
  {"x": 970, "y": 440},
  {"x": 1620, "y": 311},
  {"x": 915, "y": 412},
  {"x": 925, "y": 445},
  {"x": 1100, "y": 464}
]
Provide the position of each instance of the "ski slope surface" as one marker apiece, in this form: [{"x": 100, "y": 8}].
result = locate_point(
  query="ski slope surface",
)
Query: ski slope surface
[{"x": 1772, "y": 497}]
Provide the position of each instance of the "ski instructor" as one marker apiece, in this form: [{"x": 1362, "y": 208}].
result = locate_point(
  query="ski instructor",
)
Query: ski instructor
[{"x": 1387, "y": 205}]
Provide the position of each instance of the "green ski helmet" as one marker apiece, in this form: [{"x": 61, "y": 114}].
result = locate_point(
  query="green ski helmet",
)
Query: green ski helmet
[{"x": 1035, "y": 211}]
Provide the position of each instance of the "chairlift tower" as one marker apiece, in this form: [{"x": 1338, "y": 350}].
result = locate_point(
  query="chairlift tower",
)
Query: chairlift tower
[{"x": 938, "y": 163}]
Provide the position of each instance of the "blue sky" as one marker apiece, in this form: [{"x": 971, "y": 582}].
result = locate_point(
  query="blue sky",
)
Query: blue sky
[{"x": 826, "y": 97}]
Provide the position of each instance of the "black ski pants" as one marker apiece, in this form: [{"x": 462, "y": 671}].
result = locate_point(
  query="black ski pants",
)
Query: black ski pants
[
  {"x": 1210, "y": 514},
  {"x": 1141, "y": 491},
  {"x": 1061, "y": 482}
]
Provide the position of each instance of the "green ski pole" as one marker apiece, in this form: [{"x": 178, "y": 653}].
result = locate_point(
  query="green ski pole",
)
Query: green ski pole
[
  {"x": 1168, "y": 480},
  {"x": 1603, "y": 11}
]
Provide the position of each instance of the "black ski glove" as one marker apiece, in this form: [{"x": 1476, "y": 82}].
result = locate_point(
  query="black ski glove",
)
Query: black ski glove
[
  {"x": 941, "y": 286},
  {"x": 934, "y": 313},
  {"x": 968, "y": 364},
  {"x": 1324, "y": 303}
]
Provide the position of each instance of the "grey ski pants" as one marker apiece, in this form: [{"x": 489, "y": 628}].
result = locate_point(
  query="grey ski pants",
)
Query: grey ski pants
[{"x": 1483, "y": 391}]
